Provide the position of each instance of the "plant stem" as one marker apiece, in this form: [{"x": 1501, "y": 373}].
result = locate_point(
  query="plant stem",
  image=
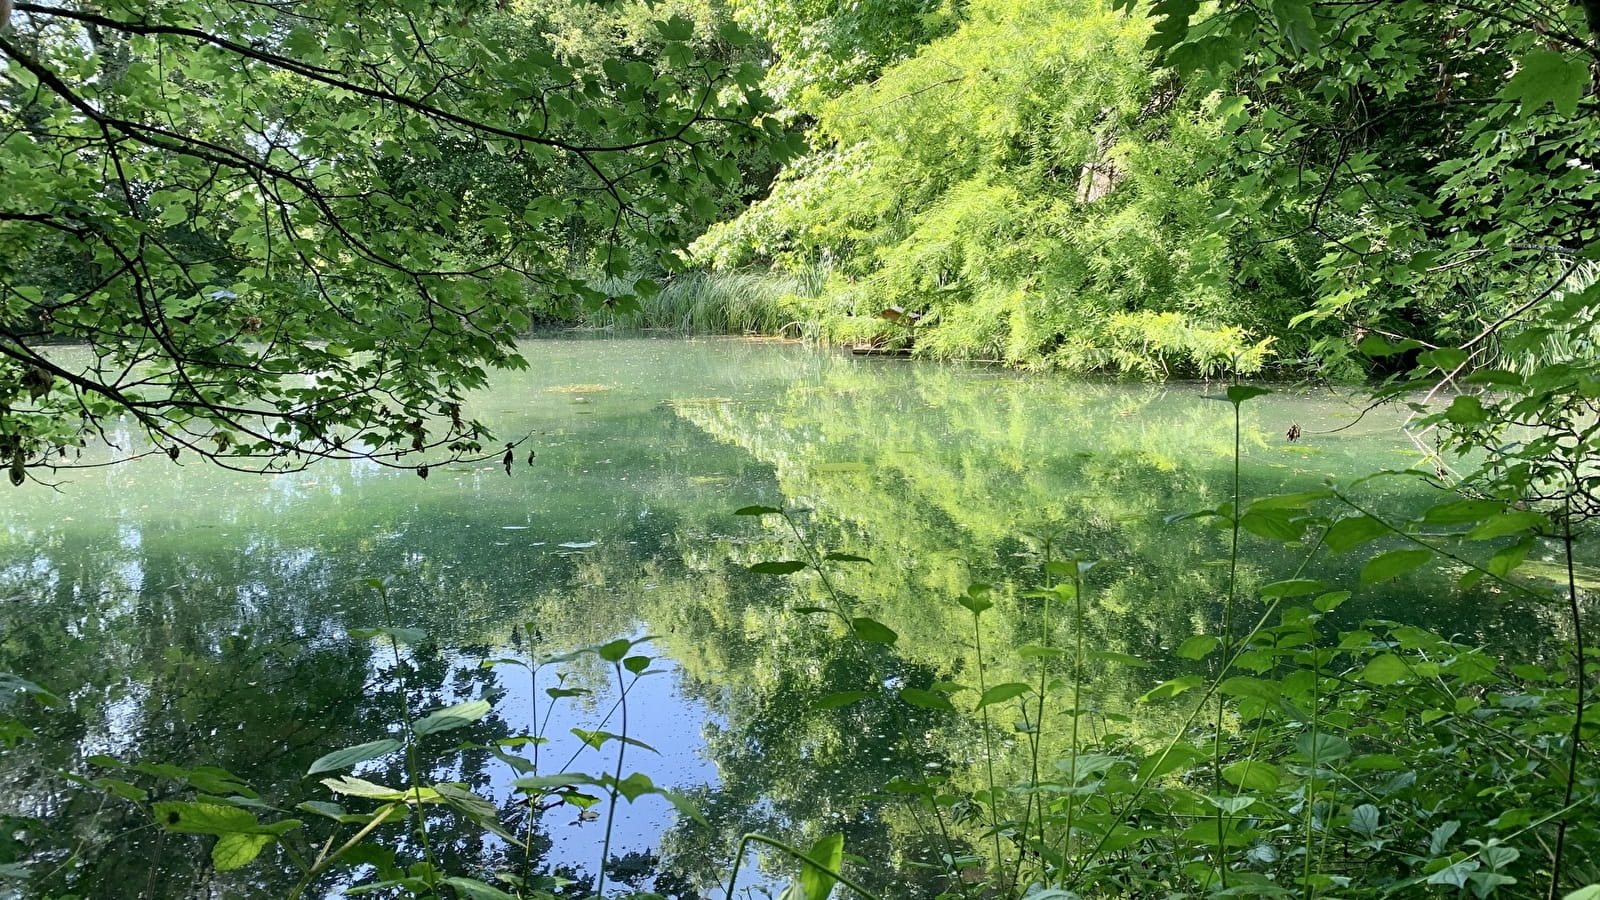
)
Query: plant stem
[
  {"x": 413, "y": 771},
  {"x": 763, "y": 839},
  {"x": 611, "y": 810},
  {"x": 1576, "y": 741},
  {"x": 988, "y": 749}
]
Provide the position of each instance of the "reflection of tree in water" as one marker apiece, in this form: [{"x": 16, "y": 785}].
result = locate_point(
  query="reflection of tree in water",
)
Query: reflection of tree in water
[{"x": 794, "y": 771}]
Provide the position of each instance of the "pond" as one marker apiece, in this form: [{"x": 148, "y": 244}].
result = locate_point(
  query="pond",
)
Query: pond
[{"x": 197, "y": 617}]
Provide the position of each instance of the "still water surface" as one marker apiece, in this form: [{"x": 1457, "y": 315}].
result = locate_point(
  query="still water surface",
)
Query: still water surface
[{"x": 189, "y": 614}]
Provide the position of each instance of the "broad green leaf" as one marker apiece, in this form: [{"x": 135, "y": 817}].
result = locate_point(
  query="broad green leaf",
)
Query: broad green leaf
[
  {"x": 1440, "y": 837},
  {"x": 1546, "y": 76},
  {"x": 825, "y": 856},
  {"x": 1274, "y": 524},
  {"x": 1331, "y": 601},
  {"x": 458, "y": 716},
  {"x": 1587, "y": 892},
  {"x": 1507, "y": 523},
  {"x": 1364, "y": 820},
  {"x": 1392, "y": 564},
  {"x": 1253, "y": 775},
  {"x": 343, "y": 759},
  {"x": 1001, "y": 693},
  {"x": 1198, "y": 646},
  {"x": 1245, "y": 686},
  {"x": 926, "y": 699},
  {"x": 1353, "y": 531},
  {"x": 212, "y": 818},
  {"x": 1172, "y": 688},
  {"x": 845, "y": 557},
  {"x": 758, "y": 511},
  {"x": 873, "y": 630},
  {"x": 1466, "y": 410},
  {"x": 614, "y": 651},
  {"x": 1385, "y": 669},
  {"x": 473, "y": 889},
  {"x": 1322, "y": 748},
  {"x": 235, "y": 850},
  {"x": 1239, "y": 393},
  {"x": 1169, "y": 759},
  {"x": 357, "y": 787},
  {"x": 1461, "y": 512}
]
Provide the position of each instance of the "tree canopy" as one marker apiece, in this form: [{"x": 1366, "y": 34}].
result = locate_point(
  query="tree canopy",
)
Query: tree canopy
[
  {"x": 295, "y": 229},
  {"x": 1042, "y": 188}
]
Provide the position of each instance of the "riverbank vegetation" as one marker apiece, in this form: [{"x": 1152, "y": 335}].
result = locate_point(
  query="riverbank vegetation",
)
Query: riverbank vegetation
[{"x": 304, "y": 231}]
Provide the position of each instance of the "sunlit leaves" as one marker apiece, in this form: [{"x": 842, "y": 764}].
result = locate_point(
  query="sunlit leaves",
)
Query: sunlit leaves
[
  {"x": 342, "y": 759},
  {"x": 458, "y": 715},
  {"x": 1002, "y": 692}
]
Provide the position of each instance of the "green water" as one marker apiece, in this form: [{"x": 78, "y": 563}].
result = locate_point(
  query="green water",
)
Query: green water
[{"x": 192, "y": 615}]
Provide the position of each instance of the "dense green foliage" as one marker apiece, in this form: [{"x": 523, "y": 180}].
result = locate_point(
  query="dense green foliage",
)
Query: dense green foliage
[
  {"x": 306, "y": 229},
  {"x": 309, "y": 229},
  {"x": 1041, "y": 192}
]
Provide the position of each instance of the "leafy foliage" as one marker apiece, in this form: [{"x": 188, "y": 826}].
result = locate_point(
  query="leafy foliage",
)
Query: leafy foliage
[{"x": 297, "y": 232}]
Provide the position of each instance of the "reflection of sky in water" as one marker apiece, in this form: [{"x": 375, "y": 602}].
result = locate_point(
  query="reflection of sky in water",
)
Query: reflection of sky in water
[{"x": 623, "y": 523}]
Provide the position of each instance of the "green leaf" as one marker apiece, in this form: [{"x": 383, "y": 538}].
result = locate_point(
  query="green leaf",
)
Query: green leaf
[
  {"x": 840, "y": 699},
  {"x": 343, "y": 759},
  {"x": 1294, "y": 587},
  {"x": 614, "y": 651},
  {"x": 1507, "y": 523},
  {"x": 926, "y": 699},
  {"x": 1331, "y": 601},
  {"x": 1245, "y": 686},
  {"x": 1001, "y": 693},
  {"x": 1461, "y": 512},
  {"x": 1353, "y": 531},
  {"x": 1297, "y": 23},
  {"x": 1322, "y": 748},
  {"x": 1385, "y": 669},
  {"x": 873, "y": 630},
  {"x": 825, "y": 858},
  {"x": 1364, "y": 820},
  {"x": 1253, "y": 775},
  {"x": 846, "y": 557},
  {"x": 323, "y": 808},
  {"x": 1466, "y": 410},
  {"x": 1239, "y": 393},
  {"x": 1172, "y": 688},
  {"x": 458, "y": 716},
  {"x": 1545, "y": 76},
  {"x": 1392, "y": 564},
  {"x": 1587, "y": 892},
  {"x": 212, "y": 818},
  {"x": 473, "y": 889},
  {"x": 758, "y": 511},
  {"x": 780, "y": 567},
  {"x": 357, "y": 787},
  {"x": 1274, "y": 524},
  {"x": 1440, "y": 837},
  {"x": 235, "y": 850},
  {"x": 1198, "y": 647}
]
